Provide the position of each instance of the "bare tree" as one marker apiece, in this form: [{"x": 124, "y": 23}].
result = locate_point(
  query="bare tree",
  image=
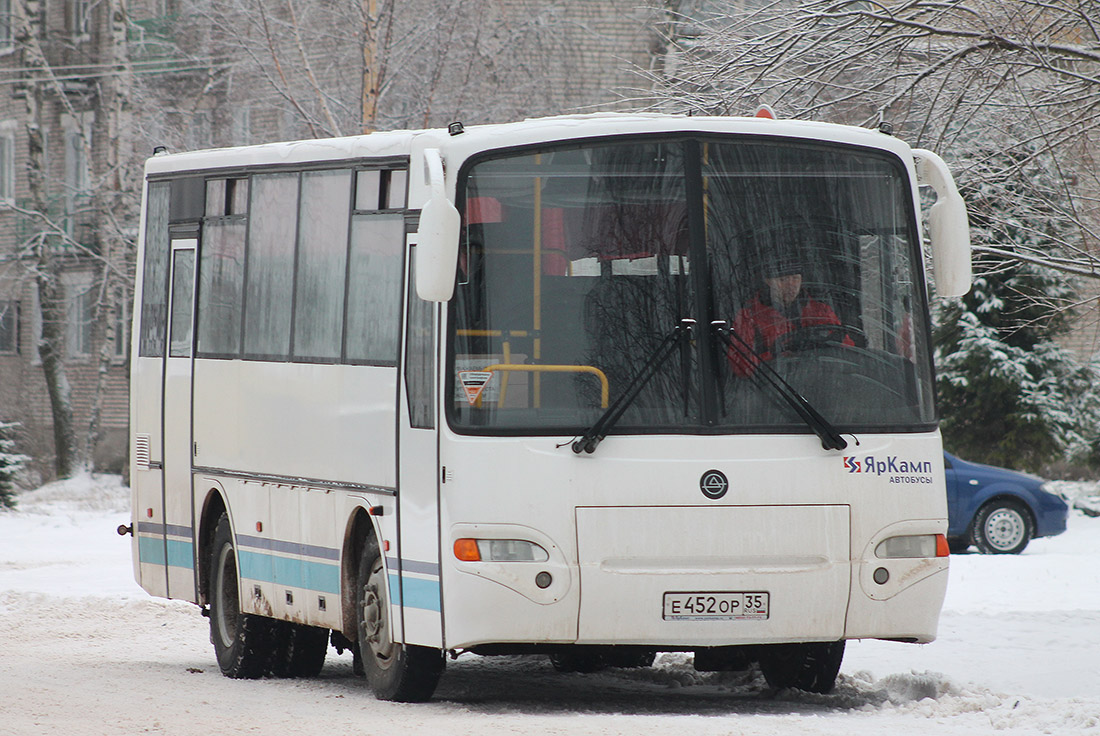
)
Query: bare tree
[
  {"x": 315, "y": 68},
  {"x": 52, "y": 246},
  {"x": 961, "y": 78},
  {"x": 116, "y": 201},
  {"x": 51, "y": 346}
]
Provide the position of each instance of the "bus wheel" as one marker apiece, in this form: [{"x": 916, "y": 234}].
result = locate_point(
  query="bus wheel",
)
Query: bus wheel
[
  {"x": 812, "y": 667},
  {"x": 1002, "y": 527},
  {"x": 244, "y": 644},
  {"x": 301, "y": 650},
  {"x": 402, "y": 672}
]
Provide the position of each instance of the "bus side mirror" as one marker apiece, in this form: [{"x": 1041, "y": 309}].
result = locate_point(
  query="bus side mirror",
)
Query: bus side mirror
[
  {"x": 948, "y": 226},
  {"x": 437, "y": 237}
]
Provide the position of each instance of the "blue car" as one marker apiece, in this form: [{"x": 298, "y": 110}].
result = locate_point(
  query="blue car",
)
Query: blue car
[{"x": 997, "y": 510}]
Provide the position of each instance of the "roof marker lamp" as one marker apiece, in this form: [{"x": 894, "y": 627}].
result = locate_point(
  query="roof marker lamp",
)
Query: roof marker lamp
[
  {"x": 908, "y": 547},
  {"x": 499, "y": 550}
]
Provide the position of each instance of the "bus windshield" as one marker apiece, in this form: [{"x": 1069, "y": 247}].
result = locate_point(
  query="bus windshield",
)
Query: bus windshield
[{"x": 764, "y": 257}]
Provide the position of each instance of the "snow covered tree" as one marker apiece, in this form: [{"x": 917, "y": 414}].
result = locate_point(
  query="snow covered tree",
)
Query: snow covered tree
[
  {"x": 1009, "y": 394},
  {"x": 11, "y": 462},
  {"x": 954, "y": 77}
]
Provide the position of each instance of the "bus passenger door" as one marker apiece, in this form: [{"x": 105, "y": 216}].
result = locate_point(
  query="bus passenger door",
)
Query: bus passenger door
[
  {"x": 179, "y": 537},
  {"x": 415, "y": 572}
]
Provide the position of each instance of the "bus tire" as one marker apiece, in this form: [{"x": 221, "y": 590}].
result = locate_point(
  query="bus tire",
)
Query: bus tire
[
  {"x": 300, "y": 651},
  {"x": 399, "y": 672},
  {"x": 812, "y": 666},
  {"x": 1003, "y": 527},
  {"x": 243, "y": 643}
]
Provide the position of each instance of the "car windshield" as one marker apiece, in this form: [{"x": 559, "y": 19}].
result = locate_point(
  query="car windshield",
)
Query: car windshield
[{"x": 773, "y": 257}]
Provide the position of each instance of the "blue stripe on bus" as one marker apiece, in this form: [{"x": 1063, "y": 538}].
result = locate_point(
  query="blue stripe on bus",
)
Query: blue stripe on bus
[
  {"x": 304, "y": 574},
  {"x": 151, "y": 550},
  {"x": 426, "y": 568},
  {"x": 291, "y": 548},
  {"x": 419, "y": 593},
  {"x": 173, "y": 530},
  {"x": 180, "y": 554}
]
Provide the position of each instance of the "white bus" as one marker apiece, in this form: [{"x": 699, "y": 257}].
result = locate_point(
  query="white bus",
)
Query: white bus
[{"x": 532, "y": 388}]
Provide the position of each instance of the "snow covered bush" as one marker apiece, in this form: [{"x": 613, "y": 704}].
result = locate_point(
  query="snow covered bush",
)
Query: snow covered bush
[{"x": 1009, "y": 393}]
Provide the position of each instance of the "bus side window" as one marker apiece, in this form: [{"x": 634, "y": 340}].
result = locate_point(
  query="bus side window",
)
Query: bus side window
[
  {"x": 322, "y": 262},
  {"x": 269, "y": 284},
  {"x": 221, "y": 280},
  {"x": 375, "y": 266}
]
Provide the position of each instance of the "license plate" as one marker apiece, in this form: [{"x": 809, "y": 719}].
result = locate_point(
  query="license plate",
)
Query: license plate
[{"x": 715, "y": 606}]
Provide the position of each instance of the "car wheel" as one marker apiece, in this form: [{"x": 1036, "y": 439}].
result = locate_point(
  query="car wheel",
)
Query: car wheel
[{"x": 1003, "y": 527}]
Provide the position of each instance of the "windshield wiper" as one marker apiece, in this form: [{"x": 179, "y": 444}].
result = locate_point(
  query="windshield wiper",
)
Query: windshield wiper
[
  {"x": 596, "y": 433},
  {"x": 830, "y": 437}
]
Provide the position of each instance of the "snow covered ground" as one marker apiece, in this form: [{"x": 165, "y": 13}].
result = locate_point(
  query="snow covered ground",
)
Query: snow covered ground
[{"x": 83, "y": 650}]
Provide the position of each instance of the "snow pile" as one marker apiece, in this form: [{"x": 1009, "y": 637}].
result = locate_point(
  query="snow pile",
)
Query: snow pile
[
  {"x": 85, "y": 492},
  {"x": 88, "y": 652},
  {"x": 1083, "y": 496}
]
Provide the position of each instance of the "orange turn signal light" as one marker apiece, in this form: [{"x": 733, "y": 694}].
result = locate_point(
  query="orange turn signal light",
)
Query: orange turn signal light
[
  {"x": 943, "y": 549},
  {"x": 467, "y": 551}
]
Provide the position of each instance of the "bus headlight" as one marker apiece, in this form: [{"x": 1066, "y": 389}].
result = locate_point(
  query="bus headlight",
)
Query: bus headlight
[
  {"x": 923, "y": 545},
  {"x": 499, "y": 550}
]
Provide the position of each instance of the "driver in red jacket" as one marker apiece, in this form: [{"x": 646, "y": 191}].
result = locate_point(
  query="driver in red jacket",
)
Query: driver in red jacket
[{"x": 783, "y": 307}]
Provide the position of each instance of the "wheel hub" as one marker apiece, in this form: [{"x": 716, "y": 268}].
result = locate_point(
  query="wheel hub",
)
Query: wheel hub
[
  {"x": 1004, "y": 529},
  {"x": 376, "y": 627}
]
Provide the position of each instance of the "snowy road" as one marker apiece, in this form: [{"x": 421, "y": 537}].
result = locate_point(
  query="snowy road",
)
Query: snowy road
[{"x": 85, "y": 651}]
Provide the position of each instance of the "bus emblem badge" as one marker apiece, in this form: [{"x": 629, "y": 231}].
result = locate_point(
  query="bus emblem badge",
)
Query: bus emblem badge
[{"x": 713, "y": 484}]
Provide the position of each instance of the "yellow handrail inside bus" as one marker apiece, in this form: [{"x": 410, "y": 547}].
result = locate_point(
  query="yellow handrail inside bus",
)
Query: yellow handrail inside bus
[
  {"x": 604, "y": 388},
  {"x": 491, "y": 333}
]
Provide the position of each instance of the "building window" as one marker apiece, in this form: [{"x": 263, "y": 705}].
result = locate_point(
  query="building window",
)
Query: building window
[
  {"x": 78, "y": 17},
  {"x": 7, "y": 164},
  {"x": 78, "y": 136},
  {"x": 122, "y": 327},
  {"x": 242, "y": 126},
  {"x": 9, "y": 327},
  {"x": 7, "y": 35},
  {"x": 82, "y": 304},
  {"x": 76, "y": 162},
  {"x": 200, "y": 130}
]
